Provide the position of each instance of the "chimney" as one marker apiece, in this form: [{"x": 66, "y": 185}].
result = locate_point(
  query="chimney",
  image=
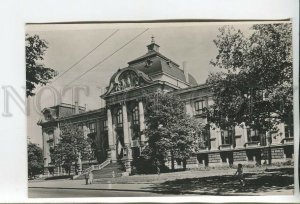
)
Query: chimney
[
  {"x": 76, "y": 107},
  {"x": 185, "y": 71}
]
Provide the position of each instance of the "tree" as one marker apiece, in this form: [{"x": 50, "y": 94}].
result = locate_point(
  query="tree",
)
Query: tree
[
  {"x": 71, "y": 147},
  {"x": 170, "y": 131},
  {"x": 35, "y": 160},
  {"x": 254, "y": 85},
  {"x": 36, "y": 72}
]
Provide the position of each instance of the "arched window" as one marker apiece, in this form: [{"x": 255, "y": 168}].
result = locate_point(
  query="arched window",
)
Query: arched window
[
  {"x": 135, "y": 116},
  {"x": 119, "y": 117}
]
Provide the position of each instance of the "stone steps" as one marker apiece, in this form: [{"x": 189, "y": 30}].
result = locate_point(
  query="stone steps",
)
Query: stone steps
[{"x": 106, "y": 172}]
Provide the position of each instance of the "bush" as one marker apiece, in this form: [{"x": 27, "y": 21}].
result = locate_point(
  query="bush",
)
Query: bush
[{"x": 146, "y": 166}]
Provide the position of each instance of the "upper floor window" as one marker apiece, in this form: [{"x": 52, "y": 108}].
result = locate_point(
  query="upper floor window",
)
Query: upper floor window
[
  {"x": 227, "y": 136},
  {"x": 289, "y": 130},
  {"x": 199, "y": 106},
  {"x": 92, "y": 127},
  {"x": 119, "y": 117},
  {"x": 104, "y": 124},
  {"x": 135, "y": 116}
]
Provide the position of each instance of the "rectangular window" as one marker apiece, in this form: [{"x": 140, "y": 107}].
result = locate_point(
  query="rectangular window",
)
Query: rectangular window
[
  {"x": 199, "y": 106},
  {"x": 92, "y": 127},
  {"x": 253, "y": 135},
  {"x": 226, "y": 136},
  {"x": 289, "y": 130},
  {"x": 256, "y": 136},
  {"x": 104, "y": 124},
  {"x": 207, "y": 136},
  {"x": 119, "y": 118},
  {"x": 135, "y": 116}
]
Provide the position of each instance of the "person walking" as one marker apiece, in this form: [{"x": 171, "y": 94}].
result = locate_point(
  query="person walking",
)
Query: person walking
[
  {"x": 91, "y": 177},
  {"x": 86, "y": 176},
  {"x": 239, "y": 173}
]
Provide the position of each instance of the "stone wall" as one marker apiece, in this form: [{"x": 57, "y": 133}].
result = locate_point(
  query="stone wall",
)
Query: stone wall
[
  {"x": 192, "y": 162},
  {"x": 214, "y": 158},
  {"x": 239, "y": 156},
  {"x": 277, "y": 153}
]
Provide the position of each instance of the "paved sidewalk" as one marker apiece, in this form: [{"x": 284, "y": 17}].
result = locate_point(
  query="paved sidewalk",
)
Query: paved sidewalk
[
  {"x": 212, "y": 182},
  {"x": 80, "y": 184}
]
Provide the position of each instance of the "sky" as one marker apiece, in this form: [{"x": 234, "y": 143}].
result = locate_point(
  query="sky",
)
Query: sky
[{"x": 67, "y": 44}]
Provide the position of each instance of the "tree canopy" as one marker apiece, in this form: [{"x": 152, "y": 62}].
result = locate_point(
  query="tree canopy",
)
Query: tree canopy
[
  {"x": 36, "y": 72},
  {"x": 35, "y": 160},
  {"x": 71, "y": 147},
  {"x": 254, "y": 84},
  {"x": 170, "y": 131}
]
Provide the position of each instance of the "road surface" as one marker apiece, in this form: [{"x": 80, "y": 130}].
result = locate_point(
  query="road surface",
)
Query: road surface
[{"x": 65, "y": 193}]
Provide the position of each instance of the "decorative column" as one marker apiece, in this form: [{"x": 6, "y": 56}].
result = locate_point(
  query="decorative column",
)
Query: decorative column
[
  {"x": 55, "y": 135},
  {"x": 45, "y": 148},
  {"x": 142, "y": 122},
  {"x": 127, "y": 148},
  {"x": 125, "y": 125},
  {"x": 112, "y": 147}
]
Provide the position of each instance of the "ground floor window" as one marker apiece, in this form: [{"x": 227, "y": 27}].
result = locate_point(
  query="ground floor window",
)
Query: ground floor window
[
  {"x": 207, "y": 136},
  {"x": 289, "y": 130},
  {"x": 227, "y": 136},
  {"x": 253, "y": 135},
  {"x": 256, "y": 136}
]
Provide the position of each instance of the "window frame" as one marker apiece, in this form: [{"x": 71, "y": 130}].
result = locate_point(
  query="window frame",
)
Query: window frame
[
  {"x": 289, "y": 130},
  {"x": 135, "y": 116},
  {"x": 250, "y": 136},
  {"x": 105, "y": 125},
  {"x": 120, "y": 117},
  {"x": 199, "y": 106},
  {"x": 92, "y": 127},
  {"x": 227, "y": 139}
]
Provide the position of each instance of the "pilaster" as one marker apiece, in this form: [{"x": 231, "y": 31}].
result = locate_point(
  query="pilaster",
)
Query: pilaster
[
  {"x": 142, "y": 122},
  {"x": 111, "y": 141}
]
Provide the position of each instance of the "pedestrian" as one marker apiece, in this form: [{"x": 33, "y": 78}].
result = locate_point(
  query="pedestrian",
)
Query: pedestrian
[
  {"x": 239, "y": 173},
  {"x": 91, "y": 177},
  {"x": 86, "y": 176},
  {"x": 157, "y": 170}
]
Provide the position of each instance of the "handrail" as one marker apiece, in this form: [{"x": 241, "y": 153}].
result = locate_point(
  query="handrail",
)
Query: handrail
[
  {"x": 100, "y": 166},
  {"x": 94, "y": 167}
]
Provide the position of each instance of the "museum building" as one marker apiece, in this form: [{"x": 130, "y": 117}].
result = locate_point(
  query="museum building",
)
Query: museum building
[{"x": 117, "y": 129}]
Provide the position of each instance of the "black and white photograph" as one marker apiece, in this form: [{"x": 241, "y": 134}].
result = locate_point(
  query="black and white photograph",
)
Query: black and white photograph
[{"x": 160, "y": 109}]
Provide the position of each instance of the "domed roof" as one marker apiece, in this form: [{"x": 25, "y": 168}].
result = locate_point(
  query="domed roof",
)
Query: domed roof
[
  {"x": 144, "y": 69},
  {"x": 153, "y": 63}
]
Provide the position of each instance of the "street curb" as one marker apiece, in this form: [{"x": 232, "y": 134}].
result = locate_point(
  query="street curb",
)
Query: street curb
[{"x": 140, "y": 190}]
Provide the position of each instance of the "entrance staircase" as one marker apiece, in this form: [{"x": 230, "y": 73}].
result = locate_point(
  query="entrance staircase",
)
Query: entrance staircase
[{"x": 104, "y": 170}]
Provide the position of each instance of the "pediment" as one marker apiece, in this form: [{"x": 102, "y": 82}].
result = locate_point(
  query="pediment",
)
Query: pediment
[{"x": 126, "y": 79}]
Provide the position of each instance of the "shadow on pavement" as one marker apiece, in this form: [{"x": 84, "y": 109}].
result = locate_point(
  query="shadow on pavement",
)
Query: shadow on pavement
[{"x": 226, "y": 185}]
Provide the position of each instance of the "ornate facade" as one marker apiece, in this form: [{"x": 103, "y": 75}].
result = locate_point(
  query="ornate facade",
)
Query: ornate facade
[{"x": 117, "y": 129}]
